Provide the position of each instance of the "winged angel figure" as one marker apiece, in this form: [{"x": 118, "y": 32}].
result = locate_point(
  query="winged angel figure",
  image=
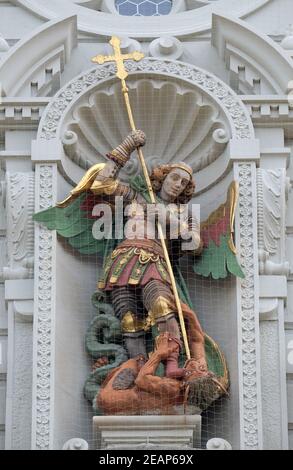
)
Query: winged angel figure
[{"x": 135, "y": 340}]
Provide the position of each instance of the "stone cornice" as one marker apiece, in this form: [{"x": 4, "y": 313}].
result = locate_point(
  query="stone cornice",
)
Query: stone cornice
[
  {"x": 20, "y": 112},
  {"x": 105, "y": 24},
  {"x": 274, "y": 109}
]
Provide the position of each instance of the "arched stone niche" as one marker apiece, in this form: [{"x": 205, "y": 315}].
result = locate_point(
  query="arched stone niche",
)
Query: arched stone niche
[
  {"x": 188, "y": 115},
  {"x": 181, "y": 123}
]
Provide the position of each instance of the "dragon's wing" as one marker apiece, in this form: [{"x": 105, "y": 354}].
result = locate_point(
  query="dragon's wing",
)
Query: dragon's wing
[
  {"x": 74, "y": 222},
  {"x": 219, "y": 253}
]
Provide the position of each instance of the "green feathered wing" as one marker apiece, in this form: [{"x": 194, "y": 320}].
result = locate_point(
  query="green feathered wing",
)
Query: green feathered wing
[
  {"x": 75, "y": 223},
  {"x": 218, "y": 257}
]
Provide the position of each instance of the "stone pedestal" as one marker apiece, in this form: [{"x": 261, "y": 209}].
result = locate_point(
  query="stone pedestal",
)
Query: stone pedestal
[{"x": 147, "y": 432}]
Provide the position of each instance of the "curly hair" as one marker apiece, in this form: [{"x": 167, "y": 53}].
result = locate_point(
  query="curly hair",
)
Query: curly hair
[{"x": 158, "y": 176}]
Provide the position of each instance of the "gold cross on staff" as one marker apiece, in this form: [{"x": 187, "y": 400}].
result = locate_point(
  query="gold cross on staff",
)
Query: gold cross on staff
[
  {"x": 118, "y": 58},
  {"x": 122, "y": 74}
]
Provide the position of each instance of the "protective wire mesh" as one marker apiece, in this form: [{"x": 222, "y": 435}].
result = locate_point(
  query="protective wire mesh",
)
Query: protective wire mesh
[{"x": 77, "y": 348}]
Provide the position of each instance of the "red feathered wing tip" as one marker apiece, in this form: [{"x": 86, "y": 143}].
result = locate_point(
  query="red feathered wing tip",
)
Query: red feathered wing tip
[
  {"x": 221, "y": 221},
  {"x": 88, "y": 205}
]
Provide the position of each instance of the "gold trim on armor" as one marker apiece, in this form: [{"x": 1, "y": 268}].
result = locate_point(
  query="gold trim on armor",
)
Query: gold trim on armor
[
  {"x": 146, "y": 256},
  {"x": 135, "y": 281},
  {"x": 119, "y": 251},
  {"x": 131, "y": 324},
  {"x": 161, "y": 308},
  {"x": 106, "y": 186},
  {"x": 149, "y": 245},
  {"x": 120, "y": 266}
]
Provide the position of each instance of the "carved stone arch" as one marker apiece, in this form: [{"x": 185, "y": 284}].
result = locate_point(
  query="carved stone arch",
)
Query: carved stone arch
[{"x": 188, "y": 114}]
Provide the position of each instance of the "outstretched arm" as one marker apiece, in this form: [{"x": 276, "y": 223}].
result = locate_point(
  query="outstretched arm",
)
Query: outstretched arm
[{"x": 101, "y": 179}]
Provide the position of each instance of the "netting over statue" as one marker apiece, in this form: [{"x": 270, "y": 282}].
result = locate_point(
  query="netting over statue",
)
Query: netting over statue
[
  {"x": 150, "y": 354},
  {"x": 135, "y": 340}
]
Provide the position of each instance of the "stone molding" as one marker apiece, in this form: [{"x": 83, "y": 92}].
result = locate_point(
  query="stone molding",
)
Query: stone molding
[
  {"x": 20, "y": 227},
  {"x": 269, "y": 208},
  {"x": 96, "y": 123},
  {"x": 105, "y": 24},
  {"x": 21, "y": 112},
  {"x": 234, "y": 122},
  {"x": 248, "y": 308},
  {"x": 241, "y": 126},
  {"x": 143, "y": 432},
  {"x": 271, "y": 187},
  {"x": 218, "y": 443},
  {"x": 44, "y": 313},
  {"x": 76, "y": 443},
  {"x": 275, "y": 109}
]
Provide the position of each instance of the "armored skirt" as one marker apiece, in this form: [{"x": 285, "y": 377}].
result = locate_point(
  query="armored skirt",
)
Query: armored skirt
[{"x": 134, "y": 263}]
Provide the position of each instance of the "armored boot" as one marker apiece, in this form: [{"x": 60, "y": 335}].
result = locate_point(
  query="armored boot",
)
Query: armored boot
[
  {"x": 134, "y": 335},
  {"x": 135, "y": 344}
]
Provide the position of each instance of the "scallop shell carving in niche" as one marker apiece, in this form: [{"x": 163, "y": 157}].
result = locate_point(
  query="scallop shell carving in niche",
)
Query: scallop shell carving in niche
[{"x": 181, "y": 124}]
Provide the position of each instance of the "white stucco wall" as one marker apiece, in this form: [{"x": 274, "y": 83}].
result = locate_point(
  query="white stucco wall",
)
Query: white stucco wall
[{"x": 239, "y": 65}]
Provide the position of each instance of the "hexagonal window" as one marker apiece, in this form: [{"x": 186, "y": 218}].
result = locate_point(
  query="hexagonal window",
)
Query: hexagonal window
[
  {"x": 164, "y": 7},
  {"x": 143, "y": 7},
  {"x": 126, "y": 7},
  {"x": 147, "y": 8}
]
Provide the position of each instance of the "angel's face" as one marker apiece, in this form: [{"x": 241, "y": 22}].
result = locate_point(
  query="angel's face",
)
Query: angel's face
[{"x": 174, "y": 184}]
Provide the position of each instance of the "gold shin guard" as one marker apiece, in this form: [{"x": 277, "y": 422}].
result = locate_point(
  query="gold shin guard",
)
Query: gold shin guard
[
  {"x": 161, "y": 308},
  {"x": 131, "y": 324}
]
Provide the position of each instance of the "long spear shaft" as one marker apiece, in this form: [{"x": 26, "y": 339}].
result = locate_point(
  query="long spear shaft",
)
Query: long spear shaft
[{"x": 122, "y": 74}]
